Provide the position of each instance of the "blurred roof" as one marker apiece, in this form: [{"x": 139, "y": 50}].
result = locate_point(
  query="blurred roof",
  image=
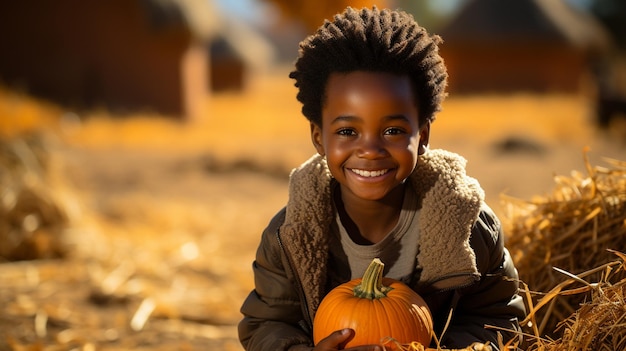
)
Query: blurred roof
[
  {"x": 200, "y": 16},
  {"x": 252, "y": 46},
  {"x": 205, "y": 21},
  {"x": 547, "y": 20}
]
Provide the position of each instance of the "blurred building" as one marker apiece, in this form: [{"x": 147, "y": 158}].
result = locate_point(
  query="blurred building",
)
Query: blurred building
[
  {"x": 521, "y": 45},
  {"x": 124, "y": 55}
]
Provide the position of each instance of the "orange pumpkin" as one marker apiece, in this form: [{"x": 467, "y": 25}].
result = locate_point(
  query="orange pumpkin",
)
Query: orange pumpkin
[{"x": 377, "y": 308}]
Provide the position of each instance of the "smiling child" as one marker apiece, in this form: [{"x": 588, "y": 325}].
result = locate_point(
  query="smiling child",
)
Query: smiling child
[{"x": 371, "y": 82}]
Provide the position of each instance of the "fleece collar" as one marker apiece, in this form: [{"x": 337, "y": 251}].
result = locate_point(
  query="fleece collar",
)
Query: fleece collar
[{"x": 450, "y": 202}]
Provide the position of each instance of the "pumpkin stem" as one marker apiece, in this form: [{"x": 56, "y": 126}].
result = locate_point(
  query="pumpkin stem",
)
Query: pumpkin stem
[{"x": 371, "y": 286}]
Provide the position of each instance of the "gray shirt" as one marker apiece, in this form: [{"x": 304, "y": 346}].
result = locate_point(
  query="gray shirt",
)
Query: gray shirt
[{"x": 397, "y": 250}]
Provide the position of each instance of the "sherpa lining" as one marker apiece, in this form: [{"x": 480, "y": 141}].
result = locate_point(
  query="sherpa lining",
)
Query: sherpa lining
[{"x": 450, "y": 203}]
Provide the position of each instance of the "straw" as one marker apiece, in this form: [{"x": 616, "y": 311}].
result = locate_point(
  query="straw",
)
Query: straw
[
  {"x": 33, "y": 210},
  {"x": 551, "y": 238}
]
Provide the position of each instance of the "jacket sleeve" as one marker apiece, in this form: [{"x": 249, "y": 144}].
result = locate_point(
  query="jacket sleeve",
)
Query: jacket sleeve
[
  {"x": 272, "y": 313},
  {"x": 493, "y": 301}
]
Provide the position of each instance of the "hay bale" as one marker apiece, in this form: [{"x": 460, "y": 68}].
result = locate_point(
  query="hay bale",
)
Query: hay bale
[
  {"x": 599, "y": 323},
  {"x": 32, "y": 216},
  {"x": 568, "y": 230}
]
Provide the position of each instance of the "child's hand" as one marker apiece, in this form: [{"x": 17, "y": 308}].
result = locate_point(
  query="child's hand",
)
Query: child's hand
[{"x": 338, "y": 339}]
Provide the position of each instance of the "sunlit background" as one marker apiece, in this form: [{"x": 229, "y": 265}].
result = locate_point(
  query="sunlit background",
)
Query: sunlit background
[{"x": 145, "y": 144}]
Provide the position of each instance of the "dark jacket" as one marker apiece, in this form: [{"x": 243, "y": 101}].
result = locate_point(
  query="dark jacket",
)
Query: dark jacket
[{"x": 462, "y": 265}]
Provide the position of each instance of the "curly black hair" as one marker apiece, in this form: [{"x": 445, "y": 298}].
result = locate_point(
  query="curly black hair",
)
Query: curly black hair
[{"x": 371, "y": 40}]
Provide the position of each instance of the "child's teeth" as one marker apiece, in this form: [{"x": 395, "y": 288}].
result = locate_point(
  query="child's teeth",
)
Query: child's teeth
[{"x": 363, "y": 173}]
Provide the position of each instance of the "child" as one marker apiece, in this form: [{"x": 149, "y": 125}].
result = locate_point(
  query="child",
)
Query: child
[{"x": 371, "y": 82}]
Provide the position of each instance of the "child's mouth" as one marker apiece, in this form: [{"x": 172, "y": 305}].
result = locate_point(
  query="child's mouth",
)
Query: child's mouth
[{"x": 369, "y": 174}]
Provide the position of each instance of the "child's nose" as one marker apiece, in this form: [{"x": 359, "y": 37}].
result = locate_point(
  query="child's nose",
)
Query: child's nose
[{"x": 372, "y": 147}]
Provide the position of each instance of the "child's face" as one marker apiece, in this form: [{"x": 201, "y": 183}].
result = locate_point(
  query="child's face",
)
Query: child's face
[{"x": 369, "y": 132}]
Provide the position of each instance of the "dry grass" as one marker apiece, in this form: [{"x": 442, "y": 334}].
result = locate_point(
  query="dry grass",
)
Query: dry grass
[
  {"x": 569, "y": 230},
  {"x": 599, "y": 321}
]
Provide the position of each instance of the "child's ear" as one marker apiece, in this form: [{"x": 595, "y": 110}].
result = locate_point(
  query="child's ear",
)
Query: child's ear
[
  {"x": 316, "y": 137},
  {"x": 424, "y": 137}
]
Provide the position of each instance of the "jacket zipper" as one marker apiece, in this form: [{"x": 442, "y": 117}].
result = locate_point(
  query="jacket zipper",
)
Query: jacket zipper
[{"x": 305, "y": 324}]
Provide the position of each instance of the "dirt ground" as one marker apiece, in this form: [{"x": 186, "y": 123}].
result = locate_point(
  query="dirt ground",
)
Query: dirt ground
[{"x": 164, "y": 217}]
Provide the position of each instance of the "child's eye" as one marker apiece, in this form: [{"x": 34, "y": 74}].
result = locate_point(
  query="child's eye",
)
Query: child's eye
[
  {"x": 394, "y": 131},
  {"x": 346, "y": 132}
]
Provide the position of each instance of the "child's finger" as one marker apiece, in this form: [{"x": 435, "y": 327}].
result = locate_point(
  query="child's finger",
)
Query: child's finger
[{"x": 337, "y": 340}]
